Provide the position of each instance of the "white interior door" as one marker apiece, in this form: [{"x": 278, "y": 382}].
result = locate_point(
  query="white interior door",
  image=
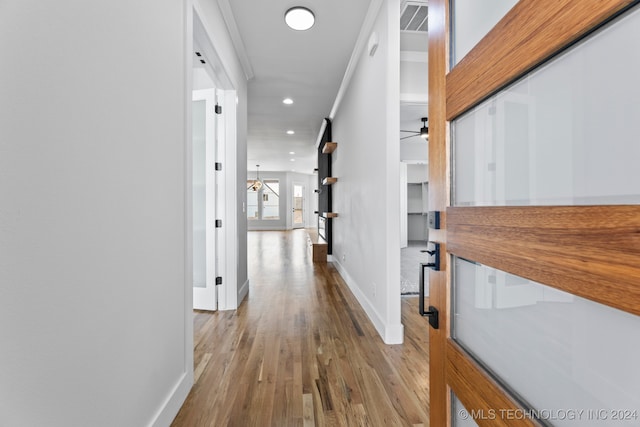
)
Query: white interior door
[
  {"x": 204, "y": 200},
  {"x": 298, "y": 205}
]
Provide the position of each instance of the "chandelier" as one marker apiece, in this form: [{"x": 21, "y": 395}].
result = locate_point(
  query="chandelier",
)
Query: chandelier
[{"x": 256, "y": 184}]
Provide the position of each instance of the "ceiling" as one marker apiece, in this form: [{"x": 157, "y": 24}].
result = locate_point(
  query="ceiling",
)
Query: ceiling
[{"x": 306, "y": 66}]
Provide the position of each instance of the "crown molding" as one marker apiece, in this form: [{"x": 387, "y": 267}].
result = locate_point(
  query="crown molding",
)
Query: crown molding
[
  {"x": 236, "y": 38},
  {"x": 360, "y": 46}
]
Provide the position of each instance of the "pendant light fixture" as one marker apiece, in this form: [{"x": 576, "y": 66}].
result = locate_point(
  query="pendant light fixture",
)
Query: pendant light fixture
[
  {"x": 257, "y": 184},
  {"x": 424, "y": 130}
]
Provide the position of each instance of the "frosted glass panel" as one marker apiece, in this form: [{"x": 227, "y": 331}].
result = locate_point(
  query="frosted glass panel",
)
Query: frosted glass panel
[
  {"x": 557, "y": 351},
  {"x": 472, "y": 20},
  {"x": 566, "y": 134},
  {"x": 199, "y": 195},
  {"x": 460, "y": 417}
]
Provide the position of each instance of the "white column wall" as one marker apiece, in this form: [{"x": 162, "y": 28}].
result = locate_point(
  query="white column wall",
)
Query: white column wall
[
  {"x": 95, "y": 317},
  {"x": 366, "y": 235},
  {"x": 94, "y": 313}
]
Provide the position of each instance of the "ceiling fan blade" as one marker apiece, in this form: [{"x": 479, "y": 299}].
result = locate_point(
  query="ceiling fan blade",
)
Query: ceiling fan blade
[
  {"x": 411, "y": 131},
  {"x": 410, "y": 136}
]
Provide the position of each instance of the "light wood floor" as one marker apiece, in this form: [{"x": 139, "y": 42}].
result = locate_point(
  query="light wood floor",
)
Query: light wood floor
[{"x": 301, "y": 352}]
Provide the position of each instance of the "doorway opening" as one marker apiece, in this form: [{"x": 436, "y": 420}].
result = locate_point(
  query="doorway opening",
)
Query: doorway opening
[
  {"x": 213, "y": 177},
  {"x": 298, "y": 205},
  {"x": 414, "y": 199}
]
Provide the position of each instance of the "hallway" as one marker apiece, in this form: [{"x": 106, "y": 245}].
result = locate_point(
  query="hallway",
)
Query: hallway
[{"x": 300, "y": 351}]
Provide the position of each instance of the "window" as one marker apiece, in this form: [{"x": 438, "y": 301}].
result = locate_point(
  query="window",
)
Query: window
[
  {"x": 263, "y": 203},
  {"x": 252, "y": 203}
]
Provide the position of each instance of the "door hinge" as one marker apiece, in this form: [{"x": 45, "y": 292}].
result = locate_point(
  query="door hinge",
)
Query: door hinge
[
  {"x": 218, "y": 109},
  {"x": 218, "y": 280},
  {"x": 218, "y": 223},
  {"x": 218, "y": 166}
]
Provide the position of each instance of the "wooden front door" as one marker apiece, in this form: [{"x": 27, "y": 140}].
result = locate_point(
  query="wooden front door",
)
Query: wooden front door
[{"x": 513, "y": 257}]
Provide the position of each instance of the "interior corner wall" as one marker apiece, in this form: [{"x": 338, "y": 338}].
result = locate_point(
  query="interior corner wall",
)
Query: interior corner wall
[
  {"x": 366, "y": 235},
  {"x": 94, "y": 303}
]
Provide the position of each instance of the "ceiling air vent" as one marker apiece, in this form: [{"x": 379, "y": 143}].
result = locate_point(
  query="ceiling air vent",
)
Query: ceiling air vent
[{"x": 414, "y": 17}]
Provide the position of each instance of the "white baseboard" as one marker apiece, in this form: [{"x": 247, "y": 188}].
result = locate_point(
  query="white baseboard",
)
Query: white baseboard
[
  {"x": 174, "y": 401},
  {"x": 243, "y": 292},
  {"x": 390, "y": 334}
]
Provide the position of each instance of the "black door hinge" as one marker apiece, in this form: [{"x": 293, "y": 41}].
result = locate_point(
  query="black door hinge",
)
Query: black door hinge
[
  {"x": 218, "y": 166},
  {"x": 218, "y": 109},
  {"x": 218, "y": 223},
  {"x": 218, "y": 280}
]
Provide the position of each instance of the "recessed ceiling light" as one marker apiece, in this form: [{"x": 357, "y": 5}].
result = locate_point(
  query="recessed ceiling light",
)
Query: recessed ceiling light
[
  {"x": 292, "y": 160},
  {"x": 290, "y": 132},
  {"x": 299, "y": 18},
  {"x": 292, "y": 152},
  {"x": 287, "y": 101}
]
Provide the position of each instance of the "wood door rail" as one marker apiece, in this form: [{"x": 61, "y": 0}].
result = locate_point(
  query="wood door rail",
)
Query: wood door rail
[
  {"x": 466, "y": 377},
  {"x": 589, "y": 251},
  {"x": 530, "y": 33}
]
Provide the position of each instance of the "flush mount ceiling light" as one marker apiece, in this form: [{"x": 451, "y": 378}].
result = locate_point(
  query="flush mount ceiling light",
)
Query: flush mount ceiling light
[
  {"x": 292, "y": 152},
  {"x": 287, "y": 101},
  {"x": 290, "y": 132},
  {"x": 299, "y": 18}
]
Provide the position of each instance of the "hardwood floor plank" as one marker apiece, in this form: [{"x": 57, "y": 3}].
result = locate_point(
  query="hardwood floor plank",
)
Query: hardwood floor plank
[
  {"x": 300, "y": 351},
  {"x": 309, "y": 419},
  {"x": 201, "y": 366}
]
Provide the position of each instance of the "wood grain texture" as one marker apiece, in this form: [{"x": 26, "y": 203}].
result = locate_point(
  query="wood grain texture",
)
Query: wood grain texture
[
  {"x": 329, "y": 147},
  {"x": 590, "y": 251},
  {"x": 438, "y": 200},
  {"x": 329, "y": 180},
  {"x": 466, "y": 377},
  {"x": 300, "y": 351},
  {"x": 530, "y": 33}
]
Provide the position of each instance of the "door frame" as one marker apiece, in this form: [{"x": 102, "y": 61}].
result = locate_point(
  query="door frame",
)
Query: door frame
[
  {"x": 303, "y": 224},
  {"x": 227, "y": 178},
  {"x": 530, "y": 33}
]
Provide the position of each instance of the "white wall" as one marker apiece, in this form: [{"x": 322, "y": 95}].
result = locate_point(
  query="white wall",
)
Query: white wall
[
  {"x": 414, "y": 79},
  {"x": 93, "y": 308},
  {"x": 95, "y": 318},
  {"x": 366, "y": 235}
]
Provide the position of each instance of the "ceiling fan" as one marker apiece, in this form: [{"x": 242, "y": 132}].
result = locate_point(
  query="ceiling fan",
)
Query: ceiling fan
[{"x": 424, "y": 130}]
